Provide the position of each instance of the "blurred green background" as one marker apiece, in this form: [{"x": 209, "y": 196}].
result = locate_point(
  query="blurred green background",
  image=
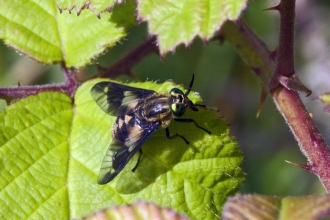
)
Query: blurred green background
[{"x": 227, "y": 84}]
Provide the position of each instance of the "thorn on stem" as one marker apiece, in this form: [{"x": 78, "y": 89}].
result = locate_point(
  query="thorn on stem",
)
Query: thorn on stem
[
  {"x": 294, "y": 83},
  {"x": 305, "y": 167},
  {"x": 277, "y": 8},
  {"x": 256, "y": 70},
  {"x": 262, "y": 101},
  {"x": 273, "y": 53}
]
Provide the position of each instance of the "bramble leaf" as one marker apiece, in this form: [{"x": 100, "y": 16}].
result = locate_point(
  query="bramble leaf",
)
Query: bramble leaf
[
  {"x": 176, "y": 22},
  {"x": 51, "y": 155},
  {"x": 39, "y": 30},
  {"x": 34, "y": 153},
  {"x": 302, "y": 208},
  {"x": 138, "y": 211}
]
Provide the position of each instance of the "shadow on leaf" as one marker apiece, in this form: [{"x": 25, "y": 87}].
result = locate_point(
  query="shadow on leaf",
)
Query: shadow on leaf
[{"x": 160, "y": 154}]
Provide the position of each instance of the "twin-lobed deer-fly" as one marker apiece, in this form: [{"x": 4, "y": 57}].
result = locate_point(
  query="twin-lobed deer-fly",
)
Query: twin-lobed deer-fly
[{"x": 139, "y": 112}]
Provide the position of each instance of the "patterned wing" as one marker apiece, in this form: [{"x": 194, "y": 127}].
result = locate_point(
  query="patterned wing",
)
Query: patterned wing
[
  {"x": 129, "y": 133},
  {"x": 116, "y": 99}
]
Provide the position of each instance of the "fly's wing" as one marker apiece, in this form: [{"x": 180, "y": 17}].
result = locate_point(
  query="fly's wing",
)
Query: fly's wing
[
  {"x": 116, "y": 99},
  {"x": 129, "y": 134}
]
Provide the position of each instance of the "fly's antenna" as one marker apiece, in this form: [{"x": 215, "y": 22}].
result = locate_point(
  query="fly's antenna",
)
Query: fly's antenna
[{"x": 190, "y": 85}]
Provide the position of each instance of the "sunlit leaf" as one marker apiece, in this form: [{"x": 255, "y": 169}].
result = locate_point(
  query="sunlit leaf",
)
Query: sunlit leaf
[
  {"x": 51, "y": 154},
  {"x": 176, "y": 22},
  {"x": 39, "y": 30},
  {"x": 192, "y": 179},
  {"x": 34, "y": 153}
]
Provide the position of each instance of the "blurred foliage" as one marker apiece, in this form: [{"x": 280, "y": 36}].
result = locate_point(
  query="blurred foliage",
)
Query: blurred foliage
[{"x": 225, "y": 82}]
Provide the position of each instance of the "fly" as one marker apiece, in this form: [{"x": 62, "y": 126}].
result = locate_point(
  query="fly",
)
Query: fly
[{"x": 139, "y": 112}]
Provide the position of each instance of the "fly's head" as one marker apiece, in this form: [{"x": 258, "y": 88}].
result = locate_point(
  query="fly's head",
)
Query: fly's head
[{"x": 180, "y": 101}]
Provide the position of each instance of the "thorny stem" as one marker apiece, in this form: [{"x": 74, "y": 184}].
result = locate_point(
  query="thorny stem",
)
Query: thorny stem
[
  {"x": 285, "y": 51},
  {"x": 311, "y": 142},
  {"x": 69, "y": 87},
  {"x": 260, "y": 59},
  {"x": 125, "y": 64}
]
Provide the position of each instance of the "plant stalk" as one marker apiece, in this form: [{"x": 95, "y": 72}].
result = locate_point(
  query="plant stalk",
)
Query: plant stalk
[{"x": 256, "y": 55}]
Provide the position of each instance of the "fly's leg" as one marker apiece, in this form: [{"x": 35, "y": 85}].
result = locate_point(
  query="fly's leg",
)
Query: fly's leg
[
  {"x": 169, "y": 136},
  {"x": 188, "y": 120},
  {"x": 138, "y": 161}
]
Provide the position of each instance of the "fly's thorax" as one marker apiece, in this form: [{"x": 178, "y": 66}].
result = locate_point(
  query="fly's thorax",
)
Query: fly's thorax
[{"x": 156, "y": 107}]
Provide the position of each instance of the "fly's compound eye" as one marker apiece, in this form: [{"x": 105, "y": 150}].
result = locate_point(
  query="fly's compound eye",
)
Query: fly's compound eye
[
  {"x": 176, "y": 92},
  {"x": 178, "y": 109},
  {"x": 177, "y": 105}
]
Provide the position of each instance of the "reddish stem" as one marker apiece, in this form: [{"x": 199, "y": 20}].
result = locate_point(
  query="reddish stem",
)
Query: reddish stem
[
  {"x": 260, "y": 59},
  {"x": 69, "y": 87},
  {"x": 311, "y": 142},
  {"x": 285, "y": 51},
  {"x": 123, "y": 66},
  {"x": 126, "y": 64}
]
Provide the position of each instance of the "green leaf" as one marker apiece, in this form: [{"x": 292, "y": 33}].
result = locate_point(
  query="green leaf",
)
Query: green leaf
[
  {"x": 302, "y": 208},
  {"x": 34, "y": 154},
  {"x": 51, "y": 156},
  {"x": 194, "y": 179},
  {"x": 39, "y": 30},
  {"x": 176, "y": 22}
]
